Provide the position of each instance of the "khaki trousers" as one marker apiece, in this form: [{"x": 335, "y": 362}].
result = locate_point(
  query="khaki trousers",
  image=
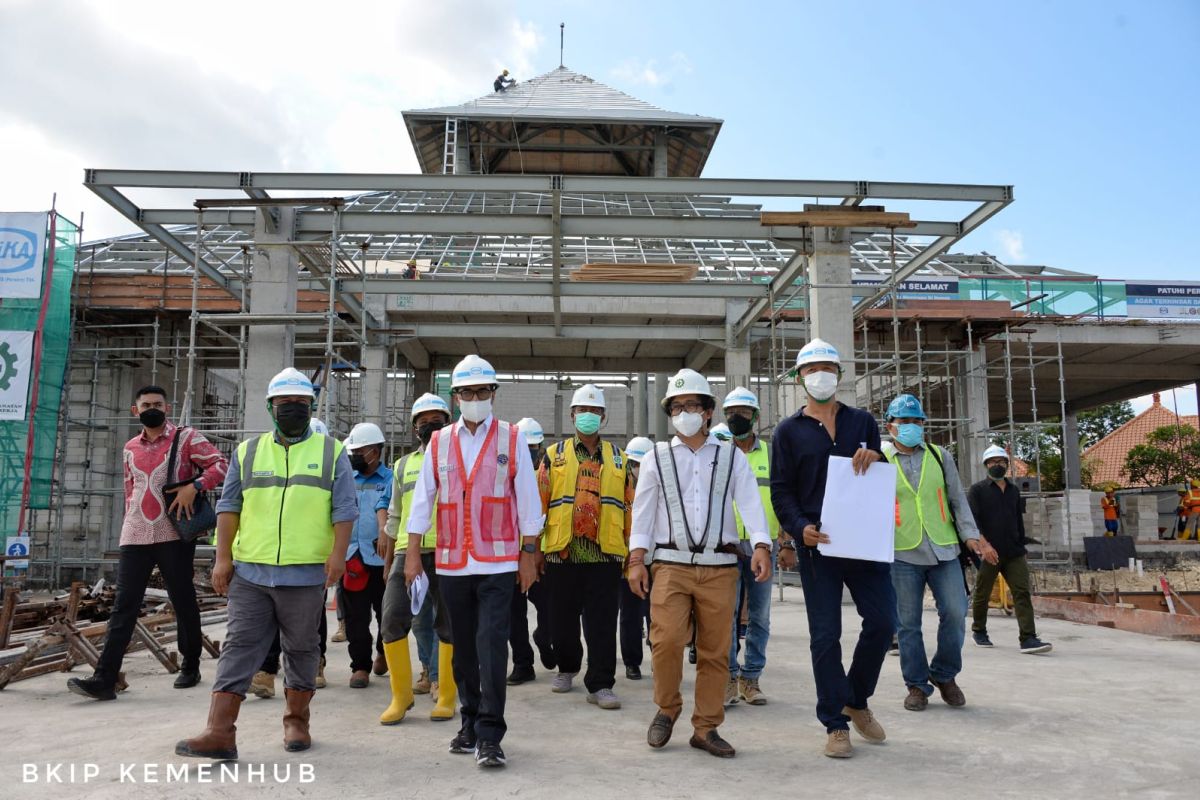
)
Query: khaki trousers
[{"x": 679, "y": 592}]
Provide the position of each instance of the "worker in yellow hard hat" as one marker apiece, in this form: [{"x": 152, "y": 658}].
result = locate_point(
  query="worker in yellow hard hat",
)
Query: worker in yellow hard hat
[
  {"x": 1191, "y": 505},
  {"x": 502, "y": 82}
]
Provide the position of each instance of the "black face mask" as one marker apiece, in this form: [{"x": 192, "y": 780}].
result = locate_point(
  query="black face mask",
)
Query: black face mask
[
  {"x": 359, "y": 462},
  {"x": 292, "y": 418},
  {"x": 153, "y": 417},
  {"x": 425, "y": 432},
  {"x": 997, "y": 472},
  {"x": 739, "y": 426},
  {"x": 535, "y": 455}
]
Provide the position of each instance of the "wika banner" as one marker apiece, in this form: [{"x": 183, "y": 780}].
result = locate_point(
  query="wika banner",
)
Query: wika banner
[{"x": 22, "y": 254}]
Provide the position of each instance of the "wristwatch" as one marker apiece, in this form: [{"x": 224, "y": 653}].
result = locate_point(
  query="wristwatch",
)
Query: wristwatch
[
  {"x": 529, "y": 548},
  {"x": 760, "y": 544},
  {"x": 788, "y": 545}
]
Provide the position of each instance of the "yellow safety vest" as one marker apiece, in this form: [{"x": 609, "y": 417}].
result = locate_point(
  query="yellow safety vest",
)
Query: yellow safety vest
[
  {"x": 287, "y": 500},
  {"x": 564, "y": 471},
  {"x": 760, "y": 465},
  {"x": 923, "y": 509},
  {"x": 407, "y": 470}
]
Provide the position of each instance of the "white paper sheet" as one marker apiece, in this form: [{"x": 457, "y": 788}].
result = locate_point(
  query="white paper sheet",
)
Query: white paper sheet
[
  {"x": 417, "y": 591},
  {"x": 859, "y": 511}
]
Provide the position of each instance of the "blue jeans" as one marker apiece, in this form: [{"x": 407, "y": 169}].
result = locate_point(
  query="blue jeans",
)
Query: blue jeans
[
  {"x": 758, "y": 597},
  {"x": 945, "y": 579},
  {"x": 422, "y": 628}
]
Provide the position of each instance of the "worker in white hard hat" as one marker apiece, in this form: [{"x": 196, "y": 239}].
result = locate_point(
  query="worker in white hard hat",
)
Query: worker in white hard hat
[
  {"x": 587, "y": 496},
  {"x": 741, "y": 410},
  {"x": 363, "y": 583},
  {"x": 489, "y": 516},
  {"x": 683, "y": 523},
  {"x": 283, "y": 525},
  {"x": 800, "y": 452},
  {"x": 721, "y": 431},
  {"x": 998, "y": 508},
  {"x": 518, "y": 634},
  {"x": 635, "y": 611},
  {"x": 430, "y": 413}
]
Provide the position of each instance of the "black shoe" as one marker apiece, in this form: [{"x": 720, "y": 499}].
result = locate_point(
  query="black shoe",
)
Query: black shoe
[
  {"x": 1034, "y": 645},
  {"x": 982, "y": 639},
  {"x": 93, "y": 687},
  {"x": 489, "y": 754},
  {"x": 692, "y": 654},
  {"x": 187, "y": 678},
  {"x": 545, "y": 652},
  {"x": 520, "y": 675},
  {"x": 633, "y": 673},
  {"x": 464, "y": 742}
]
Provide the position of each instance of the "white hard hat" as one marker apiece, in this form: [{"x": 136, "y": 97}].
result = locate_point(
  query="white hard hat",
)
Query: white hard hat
[
  {"x": 588, "y": 395},
  {"x": 290, "y": 382},
  {"x": 686, "y": 381},
  {"x": 721, "y": 431},
  {"x": 363, "y": 434},
  {"x": 995, "y": 451},
  {"x": 532, "y": 430},
  {"x": 638, "y": 448},
  {"x": 818, "y": 350},
  {"x": 316, "y": 426},
  {"x": 472, "y": 371},
  {"x": 429, "y": 402},
  {"x": 741, "y": 396}
]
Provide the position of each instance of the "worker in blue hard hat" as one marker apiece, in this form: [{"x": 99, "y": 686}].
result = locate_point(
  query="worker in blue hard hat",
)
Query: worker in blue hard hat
[{"x": 932, "y": 517}]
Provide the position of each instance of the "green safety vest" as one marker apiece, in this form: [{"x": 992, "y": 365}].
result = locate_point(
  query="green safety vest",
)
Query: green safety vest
[
  {"x": 287, "y": 500},
  {"x": 760, "y": 465},
  {"x": 923, "y": 511},
  {"x": 407, "y": 470}
]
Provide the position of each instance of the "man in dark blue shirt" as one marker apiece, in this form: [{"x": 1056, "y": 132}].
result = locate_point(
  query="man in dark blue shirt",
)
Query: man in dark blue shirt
[{"x": 800, "y": 454}]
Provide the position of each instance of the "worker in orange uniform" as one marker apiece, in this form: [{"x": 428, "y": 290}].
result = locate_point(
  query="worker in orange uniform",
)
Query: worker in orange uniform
[
  {"x": 1191, "y": 504},
  {"x": 1111, "y": 507}
]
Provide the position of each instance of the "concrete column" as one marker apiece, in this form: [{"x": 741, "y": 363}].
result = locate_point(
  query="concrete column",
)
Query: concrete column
[
  {"x": 560, "y": 403},
  {"x": 1072, "y": 458},
  {"x": 642, "y": 425},
  {"x": 462, "y": 153},
  {"x": 737, "y": 368},
  {"x": 422, "y": 382},
  {"x": 374, "y": 385},
  {"x": 630, "y": 415},
  {"x": 661, "y": 424},
  {"x": 660, "y": 154},
  {"x": 972, "y": 403},
  {"x": 832, "y": 320},
  {"x": 273, "y": 284}
]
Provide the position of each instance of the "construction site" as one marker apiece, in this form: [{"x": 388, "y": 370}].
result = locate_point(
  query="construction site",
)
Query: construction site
[{"x": 564, "y": 231}]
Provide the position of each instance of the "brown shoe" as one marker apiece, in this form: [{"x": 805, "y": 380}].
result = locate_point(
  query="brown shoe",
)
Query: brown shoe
[
  {"x": 917, "y": 700},
  {"x": 320, "y": 682},
  {"x": 732, "y": 693},
  {"x": 951, "y": 693},
  {"x": 340, "y": 635},
  {"x": 379, "y": 666},
  {"x": 865, "y": 723},
  {"x": 714, "y": 744},
  {"x": 750, "y": 693},
  {"x": 660, "y": 730},
  {"x": 423, "y": 684},
  {"x": 219, "y": 740},
  {"x": 359, "y": 679},
  {"x": 295, "y": 721},
  {"x": 263, "y": 685},
  {"x": 838, "y": 744}
]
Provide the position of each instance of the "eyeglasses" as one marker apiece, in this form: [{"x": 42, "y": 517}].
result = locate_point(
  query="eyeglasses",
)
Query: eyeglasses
[
  {"x": 746, "y": 413},
  {"x": 691, "y": 406},
  {"x": 474, "y": 394}
]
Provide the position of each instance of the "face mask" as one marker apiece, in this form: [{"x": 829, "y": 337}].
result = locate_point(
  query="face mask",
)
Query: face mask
[
  {"x": 475, "y": 410},
  {"x": 587, "y": 422},
  {"x": 359, "y": 462},
  {"x": 535, "y": 455},
  {"x": 425, "y": 432},
  {"x": 152, "y": 418},
  {"x": 688, "y": 423},
  {"x": 292, "y": 419},
  {"x": 910, "y": 434},
  {"x": 996, "y": 473},
  {"x": 821, "y": 386},
  {"x": 739, "y": 426}
]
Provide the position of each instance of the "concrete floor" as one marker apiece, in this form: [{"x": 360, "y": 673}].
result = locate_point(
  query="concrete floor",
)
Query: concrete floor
[{"x": 1107, "y": 714}]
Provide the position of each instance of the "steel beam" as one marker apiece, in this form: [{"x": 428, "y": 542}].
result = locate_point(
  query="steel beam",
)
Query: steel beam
[
  {"x": 544, "y": 288},
  {"x": 782, "y": 282},
  {"x": 633, "y": 333}
]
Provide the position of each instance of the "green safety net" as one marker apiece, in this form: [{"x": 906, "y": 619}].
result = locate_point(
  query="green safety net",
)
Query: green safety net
[{"x": 22, "y": 315}]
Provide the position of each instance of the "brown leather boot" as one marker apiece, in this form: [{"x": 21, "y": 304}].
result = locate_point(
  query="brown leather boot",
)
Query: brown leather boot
[
  {"x": 219, "y": 740},
  {"x": 295, "y": 721}
]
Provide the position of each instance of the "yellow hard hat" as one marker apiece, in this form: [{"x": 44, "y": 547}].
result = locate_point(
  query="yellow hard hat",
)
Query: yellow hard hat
[{"x": 504, "y": 73}]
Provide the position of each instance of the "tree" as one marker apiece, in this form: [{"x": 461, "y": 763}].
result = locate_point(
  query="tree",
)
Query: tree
[
  {"x": 1094, "y": 425},
  {"x": 1170, "y": 454}
]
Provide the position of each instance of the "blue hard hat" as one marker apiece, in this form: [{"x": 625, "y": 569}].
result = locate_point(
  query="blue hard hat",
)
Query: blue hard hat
[{"x": 905, "y": 406}]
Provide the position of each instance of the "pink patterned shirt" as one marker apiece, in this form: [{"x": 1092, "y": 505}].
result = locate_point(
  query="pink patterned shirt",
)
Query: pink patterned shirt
[{"x": 146, "y": 520}]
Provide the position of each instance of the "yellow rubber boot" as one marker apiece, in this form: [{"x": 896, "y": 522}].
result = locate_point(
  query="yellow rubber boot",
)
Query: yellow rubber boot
[
  {"x": 447, "y": 688},
  {"x": 400, "y": 676}
]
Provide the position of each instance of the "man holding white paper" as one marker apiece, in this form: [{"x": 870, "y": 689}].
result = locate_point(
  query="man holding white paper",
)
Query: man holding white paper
[{"x": 800, "y": 455}]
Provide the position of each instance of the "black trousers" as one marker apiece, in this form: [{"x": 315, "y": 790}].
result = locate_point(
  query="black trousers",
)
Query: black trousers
[
  {"x": 635, "y": 611},
  {"x": 174, "y": 561},
  {"x": 480, "y": 607},
  {"x": 359, "y": 606},
  {"x": 270, "y": 664},
  {"x": 518, "y": 635},
  {"x": 590, "y": 591}
]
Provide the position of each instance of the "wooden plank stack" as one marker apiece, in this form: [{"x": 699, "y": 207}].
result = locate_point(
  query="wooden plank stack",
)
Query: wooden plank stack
[
  {"x": 827, "y": 216},
  {"x": 636, "y": 273}
]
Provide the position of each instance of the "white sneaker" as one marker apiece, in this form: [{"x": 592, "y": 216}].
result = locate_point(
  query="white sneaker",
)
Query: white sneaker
[
  {"x": 562, "y": 682},
  {"x": 605, "y": 698}
]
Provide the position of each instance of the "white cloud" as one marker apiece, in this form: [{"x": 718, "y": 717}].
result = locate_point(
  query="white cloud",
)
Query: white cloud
[
  {"x": 648, "y": 72},
  {"x": 1012, "y": 245}
]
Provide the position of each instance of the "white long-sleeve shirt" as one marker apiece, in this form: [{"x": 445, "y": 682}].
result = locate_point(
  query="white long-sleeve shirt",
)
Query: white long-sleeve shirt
[
  {"x": 694, "y": 469},
  {"x": 530, "y": 518}
]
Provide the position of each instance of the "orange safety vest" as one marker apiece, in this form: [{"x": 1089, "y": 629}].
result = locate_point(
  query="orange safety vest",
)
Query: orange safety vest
[{"x": 1109, "y": 506}]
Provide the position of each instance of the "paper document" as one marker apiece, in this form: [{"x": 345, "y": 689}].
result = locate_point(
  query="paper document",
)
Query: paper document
[
  {"x": 417, "y": 591},
  {"x": 859, "y": 511}
]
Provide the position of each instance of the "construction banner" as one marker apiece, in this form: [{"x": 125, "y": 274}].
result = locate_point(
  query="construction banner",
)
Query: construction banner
[
  {"x": 16, "y": 365},
  {"x": 22, "y": 254}
]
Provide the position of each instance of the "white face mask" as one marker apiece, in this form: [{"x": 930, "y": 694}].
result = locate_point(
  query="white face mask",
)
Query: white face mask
[
  {"x": 688, "y": 423},
  {"x": 821, "y": 385},
  {"x": 475, "y": 410}
]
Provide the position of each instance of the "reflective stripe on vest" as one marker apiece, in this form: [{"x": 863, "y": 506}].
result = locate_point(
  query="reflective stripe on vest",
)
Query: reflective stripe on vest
[
  {"x": 407, "y": 470},
  {"x": 287, "y": 500},
  {"x": 760, "y": 465},
  {"x": 685, "y": 548},
  {"x": 476, "y": 513},
  {"x": 921, "y": 511},
  {"x": 560, "y": 512}
]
